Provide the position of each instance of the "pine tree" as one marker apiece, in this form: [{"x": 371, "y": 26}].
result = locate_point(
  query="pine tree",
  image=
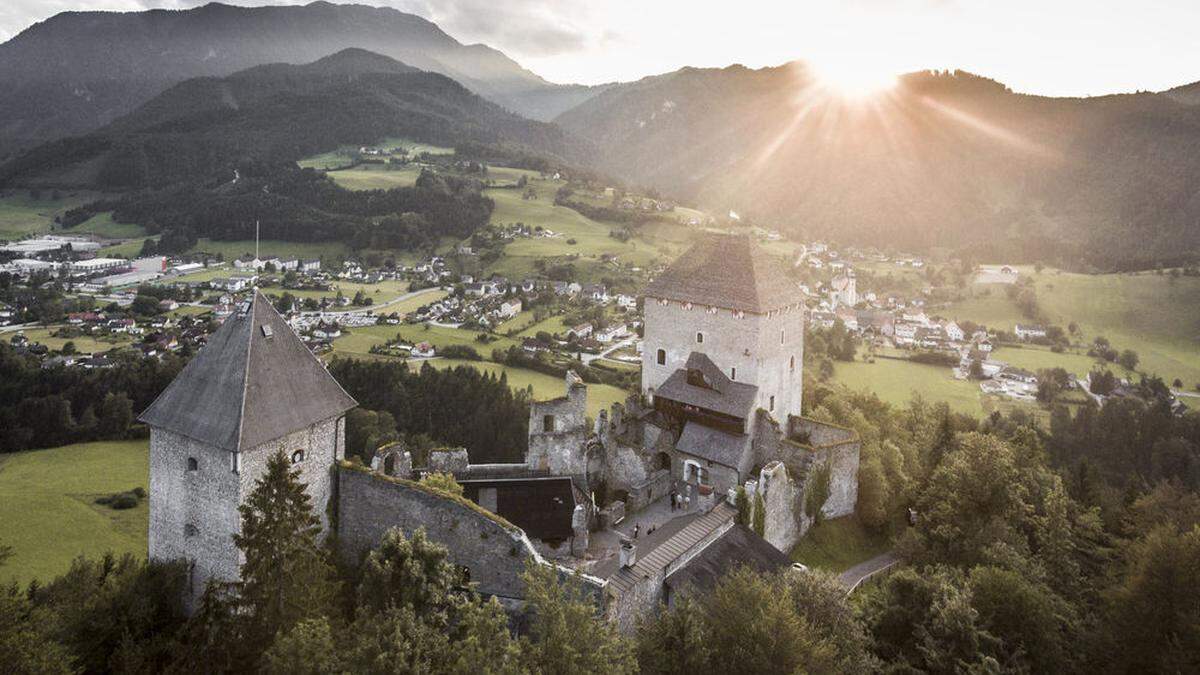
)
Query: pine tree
[{"x": 286, "y": 577}]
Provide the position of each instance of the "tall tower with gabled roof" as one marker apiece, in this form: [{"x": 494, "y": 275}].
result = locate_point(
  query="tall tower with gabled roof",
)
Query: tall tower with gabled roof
[
  {"x": 253, "y": 390},
  {"x": 727, "y": 300}
]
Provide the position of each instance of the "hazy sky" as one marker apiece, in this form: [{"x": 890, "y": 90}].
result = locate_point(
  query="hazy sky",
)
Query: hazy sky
[{"x": 1057, "y": 47}]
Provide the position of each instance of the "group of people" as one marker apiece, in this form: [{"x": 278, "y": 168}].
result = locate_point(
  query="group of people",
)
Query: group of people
[{"x": 681, "y": 501}]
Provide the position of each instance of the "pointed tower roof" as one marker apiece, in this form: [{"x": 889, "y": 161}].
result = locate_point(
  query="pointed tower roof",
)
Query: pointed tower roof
[
  {"x": 254, "y": 382},
  {"x": 729, "y": 271}
]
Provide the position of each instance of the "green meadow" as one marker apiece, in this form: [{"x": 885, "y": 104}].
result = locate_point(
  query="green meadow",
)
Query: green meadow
[
  {"x": 1152, "y": 314},
  {"x": 329, "y": 252},
  {"x": 21, "y": 214},
  {"x": 83, "y": 344},
  {"x": 542, "y": 387},
  {"x": 591, "y": 238},
  {"x": 103, "y": 225},
  {"x": 48, "y": 513},
  {"x": 376, "y": 177},
  {"x": 895, "y": 381}
]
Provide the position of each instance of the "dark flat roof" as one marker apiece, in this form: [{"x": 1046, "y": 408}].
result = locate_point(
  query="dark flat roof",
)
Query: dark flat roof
[
  {"x": 543, "y": 507},
  {"x": 738, "y": 546}
]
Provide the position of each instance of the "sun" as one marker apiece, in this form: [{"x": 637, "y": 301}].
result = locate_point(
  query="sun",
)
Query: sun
[{"x": 853, "y": 78}]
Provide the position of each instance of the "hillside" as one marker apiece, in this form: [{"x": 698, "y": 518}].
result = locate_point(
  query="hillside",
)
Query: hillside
[
  {"x": 944, "y": 159},
  {"x": 80, "y": 70},
  {"x": 202, "y": 128}
]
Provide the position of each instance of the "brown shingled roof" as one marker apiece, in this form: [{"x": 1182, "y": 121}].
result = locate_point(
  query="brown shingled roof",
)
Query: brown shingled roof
[
  {"x": 726, "y": 271},
  {"x": 253, "y": 382}
]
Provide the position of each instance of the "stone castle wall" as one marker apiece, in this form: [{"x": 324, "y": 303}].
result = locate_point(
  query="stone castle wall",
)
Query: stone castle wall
[
  {"x": 369, "y": 504},
  {"x": 560, "y": 449}
]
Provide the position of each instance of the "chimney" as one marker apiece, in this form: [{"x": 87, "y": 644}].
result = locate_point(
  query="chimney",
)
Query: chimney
[{"x": 628, "y": 553}]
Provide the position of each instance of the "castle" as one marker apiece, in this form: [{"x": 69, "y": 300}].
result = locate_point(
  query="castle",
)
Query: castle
[{"x": 719, "y": 412}]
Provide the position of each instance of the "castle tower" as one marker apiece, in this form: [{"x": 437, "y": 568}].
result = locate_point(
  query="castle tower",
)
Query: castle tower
[
  {"x": 728, "y": 300},
  {"x": 253, "y": 390}
]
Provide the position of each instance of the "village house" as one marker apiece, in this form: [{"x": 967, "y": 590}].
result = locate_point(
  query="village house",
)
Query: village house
[
  {"x": 1029, "y": 331},
  {"x": 580, "y": 331},
  {"x": 610, "y": 333},
  {"x": 509, "y": 308}
]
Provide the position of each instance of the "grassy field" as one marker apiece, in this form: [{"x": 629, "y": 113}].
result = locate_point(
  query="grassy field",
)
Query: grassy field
[
  {"x": 103, "y": 225},
  {"x": 358, "y": 341},
  {"x": 1035, "y": 358},
  {"x": 895, "y": 382},
  {"x": 1155, "y": 315},
  {"x": 543, "y": 387},
  {"x": 47, "y": 514},
  {"x": 591, "y": 238},
  {"x": 1150, "y": 313},
  {"x": 330, "y": 252},
  {"x": 22, "y": 215},
  {"x": 384, "y": 291},
  {"x": 376, "y": 177},
  {"x": 988, "y": 307},
  {"x": 83, "y": 344},
  {"x": 129, "y": 249},
  {"x": 836, "y": 545},
  {"x": 347, "y": 154}
]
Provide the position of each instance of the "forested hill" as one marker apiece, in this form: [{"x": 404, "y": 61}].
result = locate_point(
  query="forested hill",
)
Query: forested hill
[
  {"x": 945, "y": 159},
  {"x": 200, "y": 129},
  {"x": 77, "y": 71}
]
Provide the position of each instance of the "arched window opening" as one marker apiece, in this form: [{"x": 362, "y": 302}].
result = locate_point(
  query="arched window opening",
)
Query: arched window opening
[
  {"x": 733, "y": 373},
  {"x": 700, "y": 338},
  {"x": 772, "y": 404},
  {"x": 792, "y": 362},
  {"x": 389, "y": 465},
  {"x": 662, "y": 357},
  {"x": 190, "y": 530},
  {"x": 297, "y": 457},
  {"x": 193, "y": 464}
]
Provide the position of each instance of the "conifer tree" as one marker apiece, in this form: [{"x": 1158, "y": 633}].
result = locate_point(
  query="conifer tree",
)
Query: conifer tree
[{"x": 286, "y": 577}]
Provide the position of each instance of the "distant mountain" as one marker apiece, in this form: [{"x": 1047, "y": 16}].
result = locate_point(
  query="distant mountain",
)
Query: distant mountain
[
  {"x": 946, "y": 159},
  {"x": 79, "y": 70},
  {"x": 204, "y": 127}
]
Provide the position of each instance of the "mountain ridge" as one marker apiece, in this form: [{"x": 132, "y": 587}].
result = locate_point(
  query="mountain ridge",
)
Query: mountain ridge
[
  {"x": 945, "y": 159},
  {"x": 77, "y": 71},
  {"x": 277, "y": 113}
]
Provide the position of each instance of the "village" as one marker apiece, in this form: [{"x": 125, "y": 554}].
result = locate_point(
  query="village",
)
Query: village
[{"x": 157, "y": 305}]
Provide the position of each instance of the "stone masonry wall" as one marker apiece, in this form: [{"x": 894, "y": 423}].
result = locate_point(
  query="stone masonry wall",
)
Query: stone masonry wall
[
  {"x": 194, "y": 514},
  {"x": 784, "y": 522},
  {"x": 368, "y": 505},
  {"x": 766, "y": 349},
  {"x": 560, "y": 449}
]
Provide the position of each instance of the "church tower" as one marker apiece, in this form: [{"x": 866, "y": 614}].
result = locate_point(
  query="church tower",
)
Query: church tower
[
  {"x": 255, "y": 389},
  {"x": 727, "y": 300}
]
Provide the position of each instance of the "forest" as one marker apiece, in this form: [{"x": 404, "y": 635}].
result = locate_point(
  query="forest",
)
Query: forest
[{"x": 293, "y": 204}]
